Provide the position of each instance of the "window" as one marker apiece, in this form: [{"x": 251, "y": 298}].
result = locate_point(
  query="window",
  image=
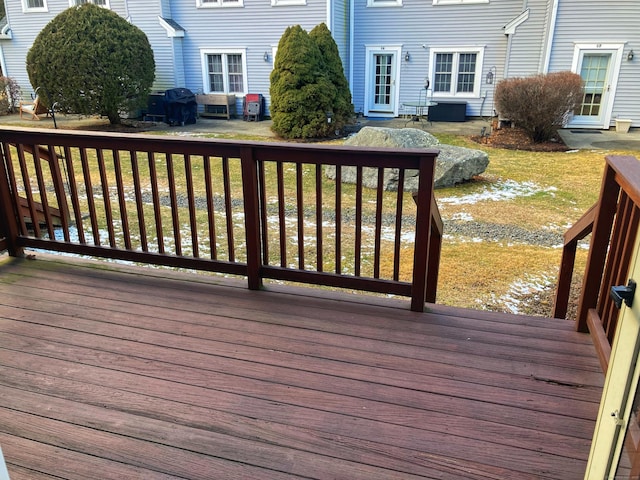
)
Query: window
[
  {"x": 218, "y": 3},
  {"x": 384, "y": 3},
  {"x": 102, "y": 3},
  {"x": 456, "y": 73},
  {"x": 34, "y": 5},
  {"x": 223, "y": 72}
]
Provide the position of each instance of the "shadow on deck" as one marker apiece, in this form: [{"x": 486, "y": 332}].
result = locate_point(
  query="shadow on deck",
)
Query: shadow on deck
[{"x": 142, "y": 373}]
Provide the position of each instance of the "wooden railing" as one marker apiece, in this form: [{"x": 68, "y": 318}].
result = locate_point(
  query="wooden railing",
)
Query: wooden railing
[
  {"x": 260, "y": 210},
  {"x": 613, "y": 224}
]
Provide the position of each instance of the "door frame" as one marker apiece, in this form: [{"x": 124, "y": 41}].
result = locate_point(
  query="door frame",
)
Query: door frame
[
  {"x": 622, "y": 377},
  {"x": 369, "y": 73},
  {"x": 616, "y": 50}
]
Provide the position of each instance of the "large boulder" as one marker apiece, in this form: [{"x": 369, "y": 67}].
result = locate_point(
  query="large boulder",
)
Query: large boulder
[{"x": 453, "y": 165}]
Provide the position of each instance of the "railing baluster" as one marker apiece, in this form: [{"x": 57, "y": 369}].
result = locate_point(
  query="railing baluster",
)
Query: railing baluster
[
  {"x": 142, "y": 226},
  {"x": 378, "y": 226},
  {"x": 319, "y": 220},
  {"x": 173, "y": 198},
  {"x": 157, "y": 206},
  {"x": 122, "y": 200},
  {"x": 262, "y": 186},
  {"x": 228, "y": 207},
  {"x": 398, "y": 225},
  {"x": 281, "y": 215},
  {"x": 58, "y": 186},
  {"x": 86, "y": 172},
  {"x": 73, "y": 193},
  {"x": 300, "y": 215},
  {"x": 358, "y": 239},
  {"x": 188, "y": 167},
  {"x": 338, "y": 220},
  {"x": 211, "y": 213},
  {"x": 106, "y": 197},
  {"x": 42, "y": 188},
  {"x": 28, "y": 192}
]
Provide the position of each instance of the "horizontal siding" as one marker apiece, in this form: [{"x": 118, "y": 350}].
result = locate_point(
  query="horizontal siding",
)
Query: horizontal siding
[
  {"x": 527, "y": 43},
  {"x": 591, "y": 21},
  {"x": 25, "y": 27},
  {"x": 419, "y": 23},
  {"x": 238, "y": 28},
  {"x": 340, "y": 31}
]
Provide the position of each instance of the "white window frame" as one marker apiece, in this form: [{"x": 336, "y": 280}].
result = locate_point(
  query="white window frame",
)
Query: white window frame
[
  {"x": 456, "y": 51},
  {"x": 26, "y": 8},
  {"x": 219, "y": 3},
  {"x": 286, "y": 3},
  {"x": 458, "y": 2},
  {"x": 206, "y": 84},
  {"x": 72, "y": 3},
  {"x": 384, "y": 3}
]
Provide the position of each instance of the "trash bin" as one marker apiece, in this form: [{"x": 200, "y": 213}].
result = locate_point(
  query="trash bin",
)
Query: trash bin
[{"x": 181, "y": 106}]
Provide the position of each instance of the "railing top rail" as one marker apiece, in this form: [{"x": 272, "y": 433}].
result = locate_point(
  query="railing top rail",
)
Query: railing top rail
[
  {"x": 627, "y": 170},
  {"x": 310, "y": 153}
]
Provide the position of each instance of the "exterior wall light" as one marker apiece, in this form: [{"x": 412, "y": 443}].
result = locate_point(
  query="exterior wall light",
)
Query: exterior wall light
[
  {"x": 407, "y": 57},
  {"x": 266, "y": 56},
  {"x": 630, "y": 55}
]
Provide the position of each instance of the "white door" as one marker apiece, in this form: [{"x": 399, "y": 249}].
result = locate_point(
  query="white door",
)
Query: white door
[
  {"x": 612, "y": 456},
  {"x": 381, "y": 88},
  {"x": 598, "y": 65}
]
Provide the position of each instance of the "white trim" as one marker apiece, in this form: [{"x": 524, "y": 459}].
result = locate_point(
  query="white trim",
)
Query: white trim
[
  {"x": 223, "y": 51},
  {"x": 172, "y": 32},
  {"x": 457, "y": 50},
  {"x": 510, "y": 28},
  {"x": 219, "y": 3},
  {"x": 370, "y": 50},
  {"x": 551, "y": 31},
  {"x": 457, "y": 2},
  {"x": 286, "y": 3},
  {"x": 616, "y": 50},
  {"x": 27, "y": 9},
  {"x": 384, "y": 3}
]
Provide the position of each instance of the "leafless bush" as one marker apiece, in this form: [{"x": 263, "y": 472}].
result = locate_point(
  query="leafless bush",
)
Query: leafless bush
[
  {"x": 539, "y": 104},
  {"x": 9, "y": 95}
]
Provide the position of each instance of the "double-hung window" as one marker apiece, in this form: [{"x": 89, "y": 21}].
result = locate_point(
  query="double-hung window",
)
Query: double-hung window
[
  {"x": 224, "y": 71},
  {"x": 456, "y": 72},
  {"x": 219, "y": 3},
  {"x": 34, "y": 5}
]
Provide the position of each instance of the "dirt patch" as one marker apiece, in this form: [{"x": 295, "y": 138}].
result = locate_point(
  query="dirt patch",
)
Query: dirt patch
[
  {"x": 126, "y": 126},
  {"x": 513, "y": 138}
]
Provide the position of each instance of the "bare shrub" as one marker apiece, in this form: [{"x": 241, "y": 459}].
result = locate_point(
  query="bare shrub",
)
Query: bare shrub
[
  {"x": 9, "y": 95},
  {"x": 540, "y": 104}
]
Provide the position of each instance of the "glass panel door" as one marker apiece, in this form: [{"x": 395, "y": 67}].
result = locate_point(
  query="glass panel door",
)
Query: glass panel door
[
  {"x": 595, "y": 70},
  {"x": 383, "y": 82}
]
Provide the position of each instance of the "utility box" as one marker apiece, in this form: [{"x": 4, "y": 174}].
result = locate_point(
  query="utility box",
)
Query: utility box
[{"x": 448, "y": 112}]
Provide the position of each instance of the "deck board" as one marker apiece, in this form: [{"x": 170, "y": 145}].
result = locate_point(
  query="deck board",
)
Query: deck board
[{"x": 168, "y": 375}]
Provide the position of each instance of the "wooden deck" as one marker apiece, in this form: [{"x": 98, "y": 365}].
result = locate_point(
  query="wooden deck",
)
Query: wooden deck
[{"x": 115, "y": 372}]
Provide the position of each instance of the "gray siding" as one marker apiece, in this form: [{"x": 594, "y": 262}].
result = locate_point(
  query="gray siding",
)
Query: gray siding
[
  {"x": 26, "y": 26},
  {"x": 419, "y": 23},
  {"x": 340, "y": 30},
  {"x": 527, "y": 43},
  {"x": 256, "y": 27},
  {"x": 611, "y": 21}
]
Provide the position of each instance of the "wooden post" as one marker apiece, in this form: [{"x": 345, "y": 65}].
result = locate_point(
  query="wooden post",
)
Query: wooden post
[
  {"x": 423, "y": 233},
  {"x": 8, "y": 211},
  {"x": 251, "y": 217}
]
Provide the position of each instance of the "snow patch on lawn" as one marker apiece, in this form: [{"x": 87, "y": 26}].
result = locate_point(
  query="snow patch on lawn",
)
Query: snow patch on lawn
[{"x": 500, "y": 191}]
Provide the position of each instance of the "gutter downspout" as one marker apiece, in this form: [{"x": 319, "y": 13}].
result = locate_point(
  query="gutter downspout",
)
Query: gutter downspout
[
  {"x": 551, "y": 32},
  {"x": 351, "y": 37}
]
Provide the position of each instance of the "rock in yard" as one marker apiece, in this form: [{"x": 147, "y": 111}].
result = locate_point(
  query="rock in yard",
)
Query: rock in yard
[{"x": 453, "y": 164}]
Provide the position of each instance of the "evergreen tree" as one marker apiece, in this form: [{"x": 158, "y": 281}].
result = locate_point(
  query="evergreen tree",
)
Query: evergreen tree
[
  {"x": 302, "y": 92},
  {"x": 89, "y": 60},
  {"x": 342, "y": 107}
]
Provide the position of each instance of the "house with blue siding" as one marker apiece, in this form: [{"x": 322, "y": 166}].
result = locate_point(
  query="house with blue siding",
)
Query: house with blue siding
[{"x": 391, "y": 49}]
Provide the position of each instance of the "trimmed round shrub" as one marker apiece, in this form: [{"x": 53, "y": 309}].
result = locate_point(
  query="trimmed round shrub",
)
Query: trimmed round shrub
[
  {"x": 89, "y": 60},
  {"x": 540, "y": 104}
]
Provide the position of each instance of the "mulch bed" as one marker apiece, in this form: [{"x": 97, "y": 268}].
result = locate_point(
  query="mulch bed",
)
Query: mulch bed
[{"x": 513, "y": 138}]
